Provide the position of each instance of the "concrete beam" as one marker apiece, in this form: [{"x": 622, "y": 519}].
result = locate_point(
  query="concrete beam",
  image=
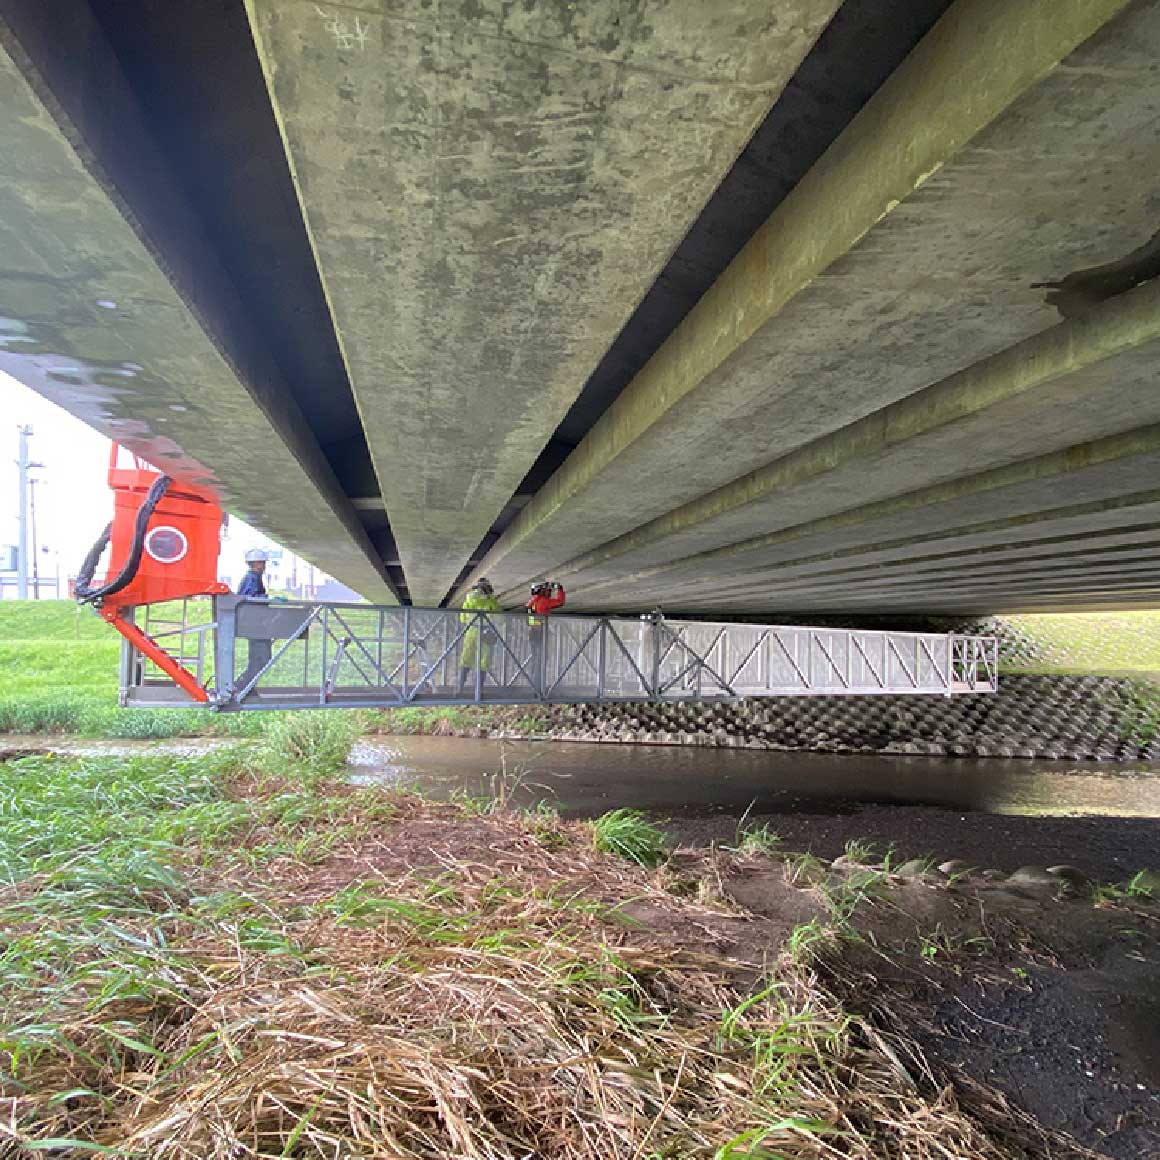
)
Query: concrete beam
[
  {"x": 1054, "y": 568},
  {"x": 1098, "y": 477},
  {"x": 814, "y": 580},
  {"x": 490, "y": 190},
  {"x": 905, "y": 254},
  {"x": 151, "y": 351},
  {"x": 1078, "y": 381}
]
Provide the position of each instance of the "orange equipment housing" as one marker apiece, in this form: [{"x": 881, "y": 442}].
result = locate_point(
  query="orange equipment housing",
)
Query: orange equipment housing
[{"x": 179, "y": 555}]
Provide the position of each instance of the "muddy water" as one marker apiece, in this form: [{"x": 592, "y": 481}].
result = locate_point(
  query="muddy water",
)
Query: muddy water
[{"x": 587, "y": 779}]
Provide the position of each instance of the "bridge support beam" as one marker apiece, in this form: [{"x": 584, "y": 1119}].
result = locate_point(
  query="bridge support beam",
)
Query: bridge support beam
[
  {"x": 490, "y": 189},
  {"x": 834, "y": 310},
  {"x": 1095, "y": 373},
  {"x": 152, "y": 351}
]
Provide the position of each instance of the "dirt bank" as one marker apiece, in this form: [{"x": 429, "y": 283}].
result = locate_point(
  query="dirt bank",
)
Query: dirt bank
[
  {"x": 224, "y": 956},
  {"x": 1106, "y": 849}
]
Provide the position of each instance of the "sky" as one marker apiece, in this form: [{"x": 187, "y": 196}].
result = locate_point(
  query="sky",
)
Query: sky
[{"x": 73, "y": 502}]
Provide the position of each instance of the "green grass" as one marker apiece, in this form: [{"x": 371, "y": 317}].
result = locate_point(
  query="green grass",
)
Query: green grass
[
  {"x": 1106, "y": 643},
  {"x": 58, "y": 668},
  {"x": 320, "y": 742},
  {"x": 629, "y": 835},
  {"x": 457, "y": 719},
  {"x": 99, "y": 857},
  {"x": 50, "y": 620},
  {"x": 175, "y": 979},
  {"x": 59, "y": 675}
]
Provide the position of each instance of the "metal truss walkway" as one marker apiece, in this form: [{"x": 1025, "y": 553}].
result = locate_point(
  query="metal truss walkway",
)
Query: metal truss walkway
[{"x": 304, "y": 655}]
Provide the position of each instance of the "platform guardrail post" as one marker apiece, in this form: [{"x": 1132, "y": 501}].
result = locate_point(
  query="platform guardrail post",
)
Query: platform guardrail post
[
  {"x": 224, "y": 643},
  {"x": 130, "y": 667}
]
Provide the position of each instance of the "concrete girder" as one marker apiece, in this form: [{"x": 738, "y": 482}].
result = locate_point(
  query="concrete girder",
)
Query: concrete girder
[
  {"x": 924, "y": 595},
  {"x": 981, "y": 595},
  {"x": 1102, "y": 478},
  {"x": 1058, "y": 566},
  {"x": 489, "y": 191},
  {"x": 1086, "y": 602},
  {"x": 876, "y": 277},
  {"x": 919, "y": 581},
  {"x": 1137, "y": 515},
  {"x": 1127, "y": 548},
  {"x": 926, "y": 558},
  {"x": 150, "y": 352},
  {"x": 1076, "y": 382}
]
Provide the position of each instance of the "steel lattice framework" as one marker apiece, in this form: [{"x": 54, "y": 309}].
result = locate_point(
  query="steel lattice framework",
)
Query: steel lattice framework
[{"x": 308, "y": 655}]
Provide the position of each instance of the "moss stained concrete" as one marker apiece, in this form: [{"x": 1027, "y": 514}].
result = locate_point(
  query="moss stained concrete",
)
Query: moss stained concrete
[
  {"x": 1091, "y": 486},
  {"x": 875, "y": 407},
  {"x": 149, "y": 352},
  {"x": 490, "y": 189},
  {"x": 992, "y": 159},
  {"x": 1083, "y": 379}
]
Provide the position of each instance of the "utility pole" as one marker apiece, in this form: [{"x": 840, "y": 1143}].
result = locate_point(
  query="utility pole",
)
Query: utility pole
[
  {"x": 35, "y": 553},
  {"x": 25, "y": 465},
  {"x": 22, "y": 549}
]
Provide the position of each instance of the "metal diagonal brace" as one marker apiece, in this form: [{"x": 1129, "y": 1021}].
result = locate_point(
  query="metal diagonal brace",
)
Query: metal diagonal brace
[
  {"x": 146, "y": 645},
  {"x": 508, "y": 649},
  {"x": 241, "y": 695},
  {"x": 826, "y": 653},
  {"x": 354, "y": 639},
  {"x": 575, "y": 657},
  {"x": 910, "y": 676},
  {"x": 700, "y": 664}
]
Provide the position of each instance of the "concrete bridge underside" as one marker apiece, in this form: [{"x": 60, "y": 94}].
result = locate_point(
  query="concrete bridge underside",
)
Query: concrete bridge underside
[{"x": 728, "y": 308}]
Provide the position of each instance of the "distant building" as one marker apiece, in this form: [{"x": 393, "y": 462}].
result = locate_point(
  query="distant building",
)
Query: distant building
[{"x": 332, "y": 590}]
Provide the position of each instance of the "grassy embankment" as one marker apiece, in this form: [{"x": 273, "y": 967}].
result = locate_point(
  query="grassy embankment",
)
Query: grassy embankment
[
  {"x": 236, "y": 956},
  {"x": 58, "y": 674},
  {"x": 1118, "y": 644}
]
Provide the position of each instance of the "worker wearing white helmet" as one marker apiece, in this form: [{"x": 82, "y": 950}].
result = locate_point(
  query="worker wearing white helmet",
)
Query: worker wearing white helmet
[{"x": 252, "y": 584}]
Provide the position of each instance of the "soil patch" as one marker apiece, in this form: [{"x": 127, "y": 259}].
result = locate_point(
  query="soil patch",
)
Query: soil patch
[
  {"x": 1047, "y": 998},
  {"x": 1106, "y": 849}
]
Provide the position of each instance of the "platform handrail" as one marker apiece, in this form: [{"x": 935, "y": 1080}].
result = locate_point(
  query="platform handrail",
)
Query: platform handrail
[{"x": 311, "y": 654}]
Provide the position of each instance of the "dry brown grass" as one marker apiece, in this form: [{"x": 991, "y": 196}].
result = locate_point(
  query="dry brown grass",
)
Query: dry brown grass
[{"x": 472, "y": 987}]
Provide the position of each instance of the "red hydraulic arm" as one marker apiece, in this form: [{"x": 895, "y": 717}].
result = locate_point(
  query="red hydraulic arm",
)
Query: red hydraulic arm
[{"x": 165, "y": 538}]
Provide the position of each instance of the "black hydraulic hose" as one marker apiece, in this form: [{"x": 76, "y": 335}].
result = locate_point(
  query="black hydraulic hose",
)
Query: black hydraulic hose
[{"x": 84, "y": 593}]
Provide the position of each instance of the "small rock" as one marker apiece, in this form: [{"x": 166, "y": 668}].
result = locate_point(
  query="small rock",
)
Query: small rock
[
  {"x": 993, "y": 876},
  {"x": 955, "y": 867},
  {"x": 1075, "y": 878},
  {"x": 915, "y": 868},
  {"x": 1033, "y": 880}
]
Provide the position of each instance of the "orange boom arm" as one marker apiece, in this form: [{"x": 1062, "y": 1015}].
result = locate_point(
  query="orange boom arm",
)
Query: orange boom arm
[{"x": 164, "y": 538}]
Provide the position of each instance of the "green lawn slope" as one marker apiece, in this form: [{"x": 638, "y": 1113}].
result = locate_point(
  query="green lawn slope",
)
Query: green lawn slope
[
  {"x": 58, "y": 674},
  {"x": 1124, "y": 644}
]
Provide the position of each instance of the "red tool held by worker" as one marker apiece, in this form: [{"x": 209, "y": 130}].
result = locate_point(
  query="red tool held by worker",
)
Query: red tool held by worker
[{"x": 165, "y": 539}]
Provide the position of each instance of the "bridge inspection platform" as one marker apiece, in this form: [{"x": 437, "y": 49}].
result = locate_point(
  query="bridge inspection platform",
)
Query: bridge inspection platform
[{"x": 253, "y": 655}]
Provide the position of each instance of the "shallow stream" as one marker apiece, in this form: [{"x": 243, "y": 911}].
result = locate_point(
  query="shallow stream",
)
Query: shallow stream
[{"x": 586, "y": 779}]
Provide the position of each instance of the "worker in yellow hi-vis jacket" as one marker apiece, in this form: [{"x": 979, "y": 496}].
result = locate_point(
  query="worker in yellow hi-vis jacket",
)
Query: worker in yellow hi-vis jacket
[{"x": 480, "y": 598}]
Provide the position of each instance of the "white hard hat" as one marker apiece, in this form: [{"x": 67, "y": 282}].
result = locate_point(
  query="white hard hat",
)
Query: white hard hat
[{"x": 256, "y": 554}]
